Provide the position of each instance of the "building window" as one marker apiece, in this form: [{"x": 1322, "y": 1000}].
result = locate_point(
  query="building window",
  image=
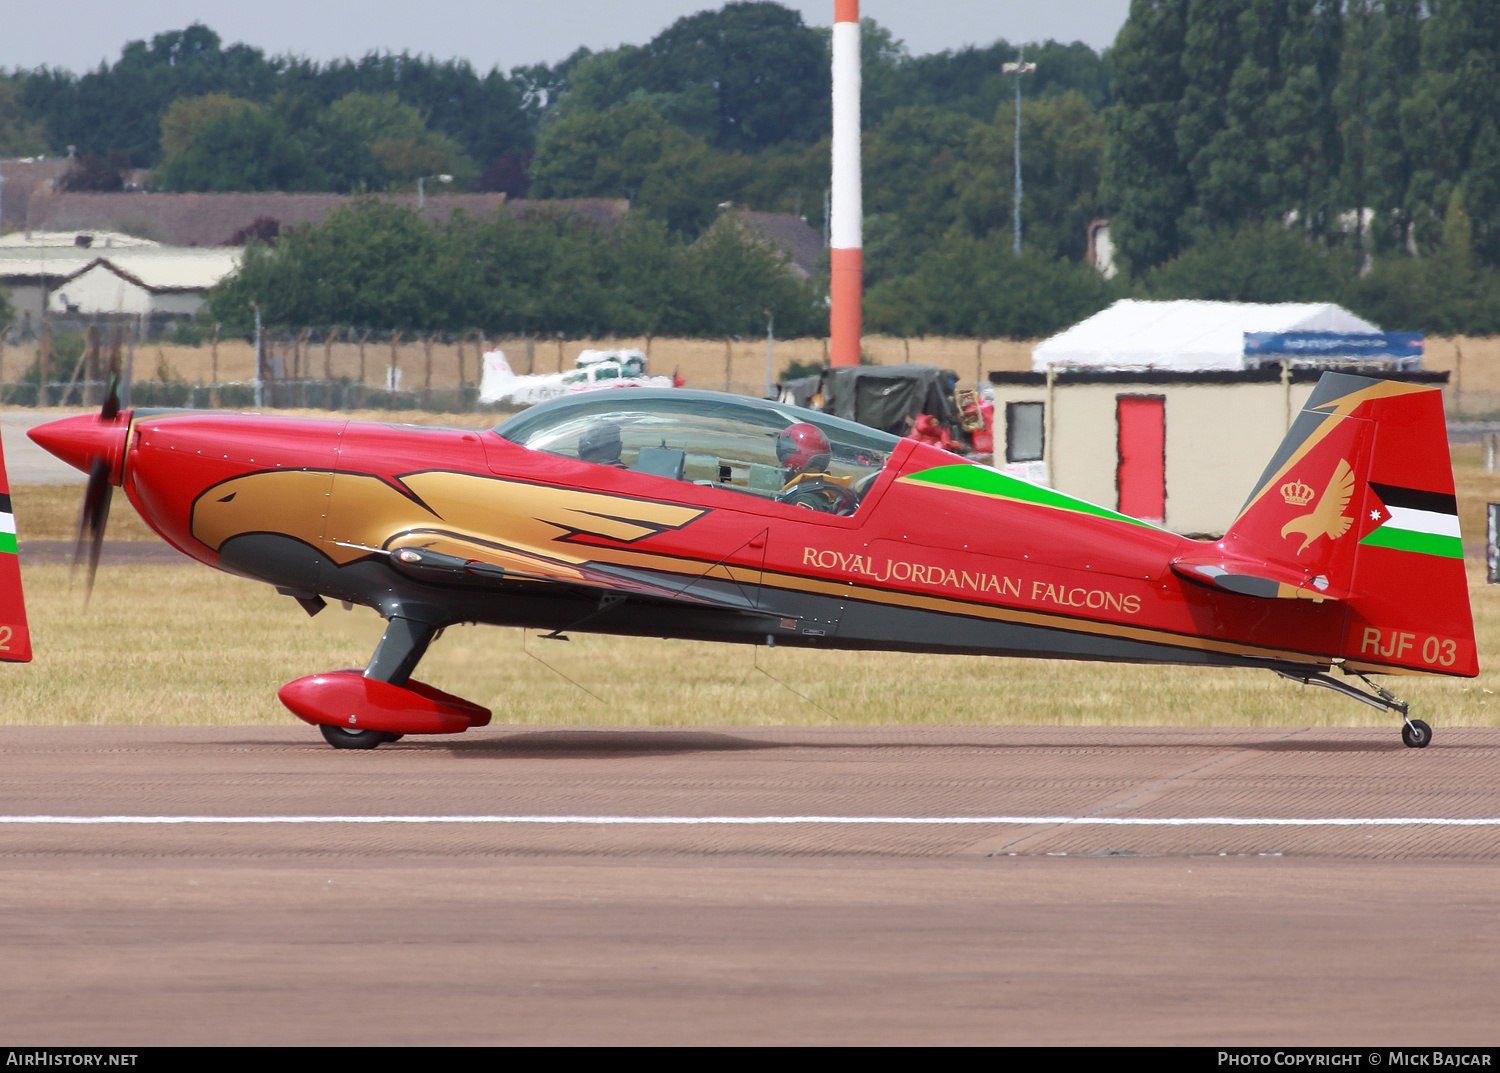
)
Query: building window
[{"x": 1025, "y": 431}]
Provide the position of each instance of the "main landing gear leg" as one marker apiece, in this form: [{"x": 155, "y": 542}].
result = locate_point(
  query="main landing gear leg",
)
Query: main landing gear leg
[
  {"x": 401, "y": 648},
  {"x": 1415, "y": 733}
]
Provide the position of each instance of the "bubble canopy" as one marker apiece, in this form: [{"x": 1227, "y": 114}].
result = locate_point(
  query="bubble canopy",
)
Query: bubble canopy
[{"x": 708, "y": 438}]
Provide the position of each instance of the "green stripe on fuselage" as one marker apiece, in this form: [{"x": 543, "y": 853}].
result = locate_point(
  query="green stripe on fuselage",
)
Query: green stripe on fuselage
[
  {"x": 982, "y": 480},
  {"x": 1409, "y": 540},
  {"x": 8, "y": 543}
]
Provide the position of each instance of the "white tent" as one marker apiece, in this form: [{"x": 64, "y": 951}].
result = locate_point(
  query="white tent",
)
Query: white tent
[{"x": 1183, "y": 335}]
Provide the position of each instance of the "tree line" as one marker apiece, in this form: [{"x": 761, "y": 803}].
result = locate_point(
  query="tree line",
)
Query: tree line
[
  {"x": 1255, "y": 150},
  {"x": 373, "y": 264}
]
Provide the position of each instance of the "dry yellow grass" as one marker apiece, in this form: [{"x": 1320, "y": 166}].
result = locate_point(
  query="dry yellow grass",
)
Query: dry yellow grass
[
  {"x": 187, "y": 645},
  {"x": 50, "y": 512}
]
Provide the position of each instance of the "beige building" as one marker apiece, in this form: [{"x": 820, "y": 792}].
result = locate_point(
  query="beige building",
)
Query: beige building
[
  {"x": 146, "y": 281},
  {"x": 1179, "y": 448},
  {"x": 102, "y": 273}
]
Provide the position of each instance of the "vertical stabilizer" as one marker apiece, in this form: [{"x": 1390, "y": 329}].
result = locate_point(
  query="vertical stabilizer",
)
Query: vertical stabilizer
[
  {"x": 15, "y": 638},
  {"x": 1358, "y": 503}
]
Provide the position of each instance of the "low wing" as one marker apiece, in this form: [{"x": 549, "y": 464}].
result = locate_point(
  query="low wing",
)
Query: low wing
[{"x": 452, "y": 560}]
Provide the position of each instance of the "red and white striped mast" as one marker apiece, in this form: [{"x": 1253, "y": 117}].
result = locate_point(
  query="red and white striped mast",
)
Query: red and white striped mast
[{"x": 845, "y": 232}]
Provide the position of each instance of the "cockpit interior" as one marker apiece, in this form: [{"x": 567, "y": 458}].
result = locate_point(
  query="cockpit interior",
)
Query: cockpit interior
[{"x": 759, "y": 448}]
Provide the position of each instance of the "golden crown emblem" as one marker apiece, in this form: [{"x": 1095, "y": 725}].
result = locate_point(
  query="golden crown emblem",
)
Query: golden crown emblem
[{"x": 1296, "y": 493}]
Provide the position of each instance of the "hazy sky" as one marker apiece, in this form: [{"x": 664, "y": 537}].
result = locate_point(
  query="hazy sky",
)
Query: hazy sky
[{"x": 79, "y": 34}]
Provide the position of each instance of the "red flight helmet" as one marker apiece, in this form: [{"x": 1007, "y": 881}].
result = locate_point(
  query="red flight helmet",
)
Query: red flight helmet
[{"x": 802, "y": 448}]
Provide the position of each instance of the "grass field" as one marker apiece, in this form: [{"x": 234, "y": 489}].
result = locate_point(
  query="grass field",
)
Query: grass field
[{"x": 188, "y": 645}]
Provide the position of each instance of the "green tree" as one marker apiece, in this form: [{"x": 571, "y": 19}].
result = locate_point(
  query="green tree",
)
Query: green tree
[
  {"x": 370, "y": 263},
  {"x": 19, "y": 134},
  {"x": 397, "y": 136},
  {"x": 245, "y": 149},
  {"x": 1062, "y": 150},
  {"x": 1256, "y": 263},
  {"x": 766, "y": 68},
  {"x": 1445, "y": 293},
  {"x": 914, "y": 169},
  {"x": 1449, "y": 115},
  {"x": 382, "y": 266},
  {"x": 187, "y": 115},
  {"x": 1145, "y": 182},
  {"x": 1223, "y": 116},
  {"x": 482, "y": 114},
  {"x": 120, "y": 106},
  {"x": 978, "y": 287},
  {"x": 737, "y": 278},
  {"x": 629, "y": 150},
  {"x": 971, "y": 81}
]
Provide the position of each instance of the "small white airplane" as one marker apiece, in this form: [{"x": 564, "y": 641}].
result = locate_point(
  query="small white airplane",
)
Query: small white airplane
[{"x": 594, "y": 369}]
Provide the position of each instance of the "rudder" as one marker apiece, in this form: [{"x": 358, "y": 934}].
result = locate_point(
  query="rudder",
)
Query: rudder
[{"x": 1359, "y": 501}]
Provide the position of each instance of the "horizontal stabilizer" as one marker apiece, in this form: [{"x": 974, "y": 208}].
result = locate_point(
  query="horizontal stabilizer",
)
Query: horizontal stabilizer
[{"x": 1260, "y": 579}]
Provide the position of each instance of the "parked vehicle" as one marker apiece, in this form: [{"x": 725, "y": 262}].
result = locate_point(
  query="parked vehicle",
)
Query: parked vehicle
[{"x": 921, "y": 402}]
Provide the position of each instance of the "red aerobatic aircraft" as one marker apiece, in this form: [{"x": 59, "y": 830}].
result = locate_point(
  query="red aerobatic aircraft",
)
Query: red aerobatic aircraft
[{"x": 707, "y": 516}]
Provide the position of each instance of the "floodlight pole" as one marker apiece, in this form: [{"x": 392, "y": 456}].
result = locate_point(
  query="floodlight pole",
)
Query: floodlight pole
[
  {"x": 1018, "y": 69},
  {"x": 260, "y": 362},
  {"x": 770, "y": 348}
]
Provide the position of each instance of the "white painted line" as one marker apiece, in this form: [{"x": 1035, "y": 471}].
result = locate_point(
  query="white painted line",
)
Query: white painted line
[{"x": 751, "y": 821}]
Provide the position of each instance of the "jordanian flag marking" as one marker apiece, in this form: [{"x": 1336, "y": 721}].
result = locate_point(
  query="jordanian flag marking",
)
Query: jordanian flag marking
[
  {"x": 1413, "y": 520},
  {"x": 7, "y": 525}
]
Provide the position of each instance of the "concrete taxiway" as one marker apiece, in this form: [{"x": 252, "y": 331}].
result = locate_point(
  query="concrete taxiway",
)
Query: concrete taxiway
[{"x": 745, "y": 885}]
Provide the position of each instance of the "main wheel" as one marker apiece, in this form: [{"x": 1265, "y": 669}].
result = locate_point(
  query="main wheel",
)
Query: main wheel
[
  {"x": 1416, "y": 734},
  {"x": 340, "y": 738}
]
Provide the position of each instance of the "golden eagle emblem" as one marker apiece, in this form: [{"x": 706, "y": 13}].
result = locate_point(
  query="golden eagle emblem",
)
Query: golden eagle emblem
[{"x": 1328, "y": 517}]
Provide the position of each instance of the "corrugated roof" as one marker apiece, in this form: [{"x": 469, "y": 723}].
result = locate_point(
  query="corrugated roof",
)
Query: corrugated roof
[
  {"x": 55, "y": 262},
  {"x": 213, "y": 219},
  {"x": 158, "y": 268},
  {"x": 97, "y": 240},
  {"x": 167, "y": 268},
  {"x": 1184, "y": 334}
]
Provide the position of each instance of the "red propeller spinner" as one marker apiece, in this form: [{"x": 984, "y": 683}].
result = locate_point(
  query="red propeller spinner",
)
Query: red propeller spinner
[{"x": 95, "y": 445}]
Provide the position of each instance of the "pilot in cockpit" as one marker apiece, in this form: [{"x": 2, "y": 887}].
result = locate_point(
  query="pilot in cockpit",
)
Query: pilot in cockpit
[
  {"x": 600, "y": 444},
  {"x": 805, "y": 455}
]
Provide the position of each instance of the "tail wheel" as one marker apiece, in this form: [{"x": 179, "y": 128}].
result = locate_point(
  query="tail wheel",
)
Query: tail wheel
[
  {"x": 340, "y": 738},
  {"x": 1416, "y": 734}
]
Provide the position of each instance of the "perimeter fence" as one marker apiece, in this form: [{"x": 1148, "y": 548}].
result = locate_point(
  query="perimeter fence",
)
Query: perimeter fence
[
  {"x": 357, "y": 369},
  {"x": 344, "y": 368}
]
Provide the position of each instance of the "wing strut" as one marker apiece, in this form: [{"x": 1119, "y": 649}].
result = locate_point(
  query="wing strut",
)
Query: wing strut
[{"x": 606, "y": 602}]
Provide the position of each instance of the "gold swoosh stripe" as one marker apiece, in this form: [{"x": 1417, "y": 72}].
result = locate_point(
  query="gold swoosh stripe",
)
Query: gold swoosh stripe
[{"x": 870, "y": 594}]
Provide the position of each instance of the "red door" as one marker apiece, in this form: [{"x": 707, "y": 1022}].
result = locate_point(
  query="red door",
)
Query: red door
[{"x": 1142, "y": 476}]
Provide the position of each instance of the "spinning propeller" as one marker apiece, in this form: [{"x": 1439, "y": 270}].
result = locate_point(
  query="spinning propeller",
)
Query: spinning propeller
[{"x": 95, "y": 445}]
